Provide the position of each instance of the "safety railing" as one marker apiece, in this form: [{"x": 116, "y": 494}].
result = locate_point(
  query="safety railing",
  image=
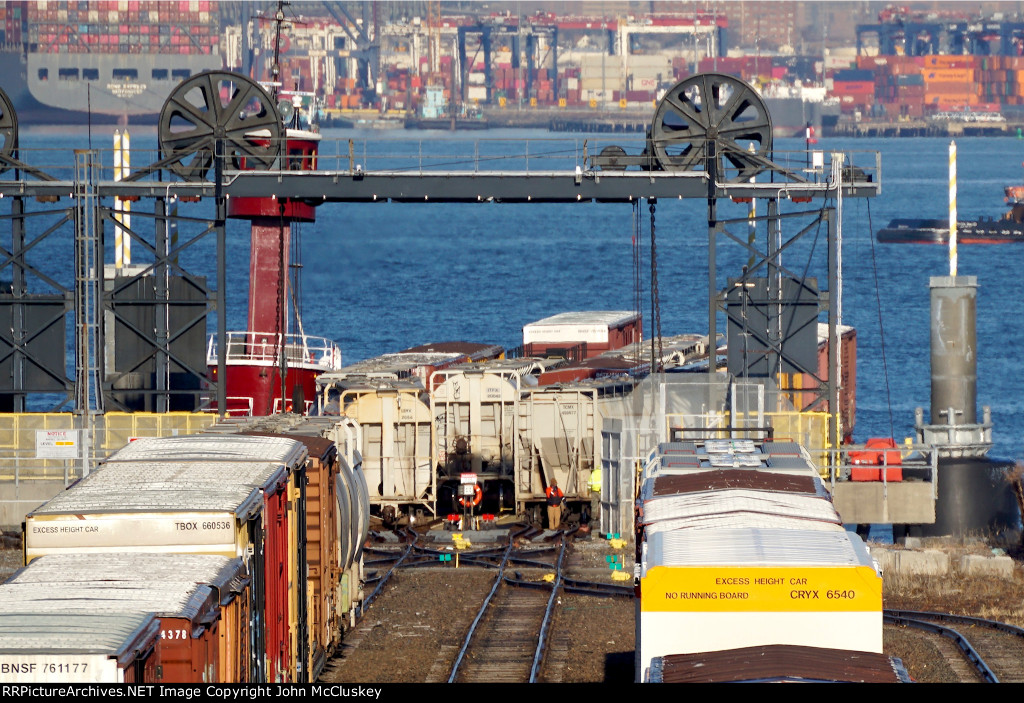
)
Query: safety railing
[
  {"x": 881, "y": 465},
  {"x": 403, "y": 154},
  {"x": 266, "y": 348},
  {"x": 25, "y": 456},
  {"x": 809, "y": 429}
]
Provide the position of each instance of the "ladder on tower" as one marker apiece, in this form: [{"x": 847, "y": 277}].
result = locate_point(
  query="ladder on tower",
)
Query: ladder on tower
[{"x": 88, "y": 300}]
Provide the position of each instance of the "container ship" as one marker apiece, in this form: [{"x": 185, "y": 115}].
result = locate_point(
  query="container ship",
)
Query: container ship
[{"x": 69, "y": 62}]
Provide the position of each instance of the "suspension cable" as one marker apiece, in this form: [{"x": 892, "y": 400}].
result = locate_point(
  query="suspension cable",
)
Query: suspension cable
[
  {"x": 281, "y": 307},
  {"x": 881, "y": 327},
  {"x": 656, "y": 344},
  {"x": 637, "y": 291}
]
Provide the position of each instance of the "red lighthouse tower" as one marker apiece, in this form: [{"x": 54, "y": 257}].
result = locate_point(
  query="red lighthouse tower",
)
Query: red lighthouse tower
[{"x": 269, "y": 368}]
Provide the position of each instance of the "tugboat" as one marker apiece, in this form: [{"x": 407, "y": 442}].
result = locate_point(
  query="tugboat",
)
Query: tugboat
[
  {"x": 985, "y": 230},
  {"x": 269, "y": 368}
]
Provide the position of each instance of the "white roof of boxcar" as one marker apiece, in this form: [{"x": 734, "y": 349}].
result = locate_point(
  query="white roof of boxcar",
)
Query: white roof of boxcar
[
  {"x": 128, "y": 567},
  {"x": 668, "y": 466},
  {"x": 172, "y": 486},
  {"x": 109, "y": 634},
  {"x": 774, "y": 457},
  {"x": 172, "y": 498},
  {"x": 168, "y": 598},
  {"x": 740, "y": 519},
  {"x": 754, "y": 547},
  {"x": 608, "y": 318},
  {"x": 144, "y": 474},
  {"x": 393, "y": 363},
  {"x": 709, "y": 503},
  {"x": 213, "y": 447}
]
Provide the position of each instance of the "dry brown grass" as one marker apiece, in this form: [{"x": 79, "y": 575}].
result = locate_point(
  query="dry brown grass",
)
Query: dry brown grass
[{"x": 984, "y": 596}]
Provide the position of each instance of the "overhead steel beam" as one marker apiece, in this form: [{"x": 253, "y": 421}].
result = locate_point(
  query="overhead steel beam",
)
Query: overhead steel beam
[{"x": 320, "y": 187}]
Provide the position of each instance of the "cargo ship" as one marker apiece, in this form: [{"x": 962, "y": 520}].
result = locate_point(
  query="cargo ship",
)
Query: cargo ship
[
  {"x": 105, "y": 62},
  {"x": 793, "y": 108},
  {"x": 437, "y": 113}
]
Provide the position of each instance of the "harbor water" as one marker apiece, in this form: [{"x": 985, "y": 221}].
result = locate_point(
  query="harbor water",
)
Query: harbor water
[{"x": 385, "y": 276}]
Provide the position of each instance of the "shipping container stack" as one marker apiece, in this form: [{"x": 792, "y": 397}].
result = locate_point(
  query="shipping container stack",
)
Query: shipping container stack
[
  {"x": 12, "y": 22},
  {"x": 914, "y": 87},
  {"x": 119, "y": 26},
  {"x": 855, "y": 89}
]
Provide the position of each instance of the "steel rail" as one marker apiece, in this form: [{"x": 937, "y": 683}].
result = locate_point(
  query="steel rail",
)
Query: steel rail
[
  {"x": 546, "y": 623},
  {"x": 596, "y": 588},
  {"x": 965, "y": 619},
  {"x": 383, "y": 581},
  {"x": 959, "y": 640}
]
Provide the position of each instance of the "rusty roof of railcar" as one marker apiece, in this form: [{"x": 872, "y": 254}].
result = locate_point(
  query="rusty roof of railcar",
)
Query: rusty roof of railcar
[
  {"x": 697, "y": 481},
  {"x": 474, "y": 350},
  {"x": 778, "y": 663},
  {"x": 318, "y": 447}
]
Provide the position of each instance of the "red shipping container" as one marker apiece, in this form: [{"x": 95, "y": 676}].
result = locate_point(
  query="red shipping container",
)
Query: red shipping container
[{"x": 853, "y": 88}]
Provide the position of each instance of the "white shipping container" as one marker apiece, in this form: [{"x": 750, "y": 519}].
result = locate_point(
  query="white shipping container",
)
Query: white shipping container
[
  {"x": 664, "y": 633},
  {"x": 66, "y": 668},
  {"x": 600, "y": 84},
  {"x": 649, "y": 61},
  {"x": 598, "y": 95},
  {"x": 207, "y": 532},
  {"x": 588, "y": 326},
  {"x": 613, "y": 71},
  {"x": 706, "y": 590},
  {"x": 72, "y": 647},
  {"x": 476, "y": 92}
]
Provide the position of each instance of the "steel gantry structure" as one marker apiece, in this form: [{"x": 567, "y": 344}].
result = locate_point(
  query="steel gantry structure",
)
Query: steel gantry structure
[{"x": 710, "y": 140}]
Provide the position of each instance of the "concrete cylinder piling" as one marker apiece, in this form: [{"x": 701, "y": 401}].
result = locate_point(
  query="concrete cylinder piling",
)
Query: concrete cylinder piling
[{"x": 954, "y": 343}]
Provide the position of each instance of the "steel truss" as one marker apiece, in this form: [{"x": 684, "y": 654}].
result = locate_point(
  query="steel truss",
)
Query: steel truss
[
  {"x": 711, "y": 140},
  {"x": 163, "y": 240}
]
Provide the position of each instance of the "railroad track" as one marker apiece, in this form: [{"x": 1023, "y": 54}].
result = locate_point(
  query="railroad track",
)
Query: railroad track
[
  {"x": 507, "y": 641},
  {"x": 490, "y": 614},
  {"x": 975, "y": 648}
]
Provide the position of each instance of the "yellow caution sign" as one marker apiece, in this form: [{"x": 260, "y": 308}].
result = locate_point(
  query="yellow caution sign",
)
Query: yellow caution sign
[
  {"x": 593, "y": 103},
  {"x": 561, "y": 102},
  {"x": 761, "y": 589},
  {"x": 533, "y": 102},
  {"x": 622, "y": 102},
  {"x": 501, "y": 101}
]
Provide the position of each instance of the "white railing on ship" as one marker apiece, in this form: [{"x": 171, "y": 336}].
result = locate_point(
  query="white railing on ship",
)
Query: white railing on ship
[{"x": 265, "y": 347}]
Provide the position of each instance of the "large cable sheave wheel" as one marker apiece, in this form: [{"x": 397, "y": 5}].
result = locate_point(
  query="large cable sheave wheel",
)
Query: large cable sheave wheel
[
  {"x": 8, "y": 130},
  {"x": 712, "y": 113},
  {"x": 224, "y": 107}
]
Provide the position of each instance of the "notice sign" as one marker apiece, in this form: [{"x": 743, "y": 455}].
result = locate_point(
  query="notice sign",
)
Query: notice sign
[{"x": 57, "y": 444}]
